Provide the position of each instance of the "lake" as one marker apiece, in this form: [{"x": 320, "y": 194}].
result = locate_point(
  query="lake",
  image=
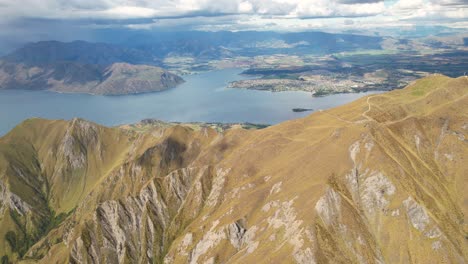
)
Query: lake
[{"x": 203, "y": 97}]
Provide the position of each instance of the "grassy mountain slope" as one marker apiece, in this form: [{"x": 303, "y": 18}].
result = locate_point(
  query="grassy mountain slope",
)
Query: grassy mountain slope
[{"x": 378, "y": 180}]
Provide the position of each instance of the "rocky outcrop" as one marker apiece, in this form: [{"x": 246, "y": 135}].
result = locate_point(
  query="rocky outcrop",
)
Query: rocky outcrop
[{"x": 140, "y": 229}]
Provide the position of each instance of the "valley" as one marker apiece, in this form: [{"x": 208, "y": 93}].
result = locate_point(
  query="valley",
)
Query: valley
[
  {"x": 349, "y": 72},
  {"x": 315, "y": 62}
]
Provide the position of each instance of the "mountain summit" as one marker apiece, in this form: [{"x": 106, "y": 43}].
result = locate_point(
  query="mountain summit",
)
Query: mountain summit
[{"x": 380, "y": 180}]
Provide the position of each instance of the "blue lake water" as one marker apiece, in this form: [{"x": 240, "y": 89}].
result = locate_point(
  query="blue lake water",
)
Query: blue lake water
[{"x": 203, "y": 97}]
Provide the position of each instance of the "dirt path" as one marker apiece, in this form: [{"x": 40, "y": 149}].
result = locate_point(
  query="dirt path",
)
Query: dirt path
[
  {"x": 364, "y": 114},
  {"x": 368, "y": 109}
]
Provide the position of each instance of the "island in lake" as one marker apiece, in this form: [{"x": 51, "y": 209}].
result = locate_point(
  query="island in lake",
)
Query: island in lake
[{"x": 299, "y": 110}]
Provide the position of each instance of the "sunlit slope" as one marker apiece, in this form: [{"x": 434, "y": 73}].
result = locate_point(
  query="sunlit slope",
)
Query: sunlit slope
[
  {"x": 47, "y": 168},
  {"x": 380, "y": 180}
]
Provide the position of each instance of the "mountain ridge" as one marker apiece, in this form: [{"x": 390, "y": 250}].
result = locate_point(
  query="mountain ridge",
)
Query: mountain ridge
[
  {"x": 69, "y": 77},
  {"x": 377, "y": 180},
  {"x": 82, "y": 67},
  {"x": 47, "y": 52}
]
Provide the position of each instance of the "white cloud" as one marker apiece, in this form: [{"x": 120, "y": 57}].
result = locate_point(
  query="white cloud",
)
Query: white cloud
[
  {"x": 430, "y": 10},
  {"x": 144, "y": 8},
  {"x": 322, "y": 8},
  {"x": 127, "y": 12},
  {"x": 242, "y": 14},
  {"x": 245, "y": 7}
]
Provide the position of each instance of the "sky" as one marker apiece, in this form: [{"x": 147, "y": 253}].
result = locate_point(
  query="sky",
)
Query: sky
[{"x": 72, "y": 19}]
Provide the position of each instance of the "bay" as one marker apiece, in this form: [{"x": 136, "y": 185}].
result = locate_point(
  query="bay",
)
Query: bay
[{"x": 202, "y": 98}]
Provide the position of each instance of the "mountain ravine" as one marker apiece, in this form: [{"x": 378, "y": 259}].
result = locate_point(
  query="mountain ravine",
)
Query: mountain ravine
[{"x": 380, "y": 180}]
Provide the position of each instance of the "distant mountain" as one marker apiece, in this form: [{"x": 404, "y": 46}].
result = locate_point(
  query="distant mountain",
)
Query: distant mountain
[
  {"x": 151, "y": 48},
  {"x": 82, "y": 67},
  {"x": 49, "y": 52},
  {"x": 71, "y": 77},
  {"x": 379, "y": 180},
  {"x": 221, "y": 44}
]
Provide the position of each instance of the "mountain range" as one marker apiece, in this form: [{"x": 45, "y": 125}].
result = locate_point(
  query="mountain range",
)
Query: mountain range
[
  {"x": 379, "y": 180},
  {"x": 222, "y": 44},
  {"x": 49, "y": 52},
  {"x": 113, "y": 67},
  {"x": 82, "y": 67}
]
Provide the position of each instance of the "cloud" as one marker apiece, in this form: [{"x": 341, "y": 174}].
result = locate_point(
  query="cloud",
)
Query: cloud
[
  {"x": 450, "y": 2},
  {"x": 322, "y": 9},
  {"x": 432, "y": 10},
  {"x": 236, "y": 14},
  {"x": 121, "y": 9},
  {"x": 124, "y": 9},
  {"x": 359, "y": 1}
]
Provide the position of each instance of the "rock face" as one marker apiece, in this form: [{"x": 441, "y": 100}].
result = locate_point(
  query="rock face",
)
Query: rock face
[
  {"x": 81, "y": 67},
  {"x": 380, "y": 180}
]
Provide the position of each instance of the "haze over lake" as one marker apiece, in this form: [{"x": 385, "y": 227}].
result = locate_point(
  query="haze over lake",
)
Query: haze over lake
[{"x": 203, "y": 97}]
